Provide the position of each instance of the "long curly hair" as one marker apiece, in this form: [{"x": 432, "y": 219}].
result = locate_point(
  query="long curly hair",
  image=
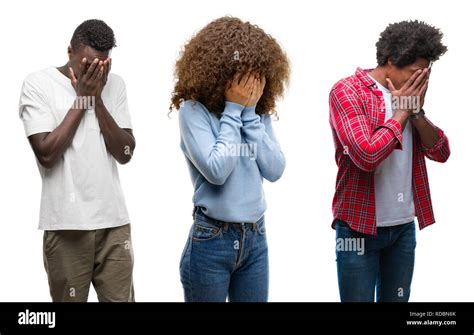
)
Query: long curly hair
[{"x": 224, "y": 47}]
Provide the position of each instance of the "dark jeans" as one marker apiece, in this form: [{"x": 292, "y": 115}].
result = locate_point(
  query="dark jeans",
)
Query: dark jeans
[
  {"x": 381, "y": 264},
  {"x": 223, "y": 259}
]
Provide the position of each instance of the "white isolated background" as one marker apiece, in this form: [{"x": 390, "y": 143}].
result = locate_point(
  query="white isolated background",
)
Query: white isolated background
[{"x": 325, "y": 42}]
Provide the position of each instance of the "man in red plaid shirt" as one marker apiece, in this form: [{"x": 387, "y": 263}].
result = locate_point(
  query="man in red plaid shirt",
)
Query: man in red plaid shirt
[{"x": 382, "y": 136}]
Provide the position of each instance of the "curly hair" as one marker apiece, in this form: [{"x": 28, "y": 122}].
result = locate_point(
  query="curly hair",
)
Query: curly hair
[
  {"x": 406, "y": 41},
  {"x": 224, "y": 47},
  {"x": 94, "y": 33}
]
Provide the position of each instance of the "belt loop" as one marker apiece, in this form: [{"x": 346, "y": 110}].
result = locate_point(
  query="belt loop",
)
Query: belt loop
[{"x": 254, "y": 226}]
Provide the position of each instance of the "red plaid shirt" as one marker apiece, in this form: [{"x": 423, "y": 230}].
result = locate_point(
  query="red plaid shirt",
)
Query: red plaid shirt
[{"x": 363, "y": 140}]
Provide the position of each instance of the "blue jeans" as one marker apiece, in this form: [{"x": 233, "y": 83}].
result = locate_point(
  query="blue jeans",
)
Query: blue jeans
[
  {"x": 381, "y": 264},
  {"x": 225, "y": 260}
]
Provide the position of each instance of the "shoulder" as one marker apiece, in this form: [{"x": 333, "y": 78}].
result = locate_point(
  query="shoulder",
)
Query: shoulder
[
  {"x": 191, "y": 109},
  {"x": 38, "y": 78},
  {"x": 115, "y": 81},
  {"x": 348, "y": 85}
]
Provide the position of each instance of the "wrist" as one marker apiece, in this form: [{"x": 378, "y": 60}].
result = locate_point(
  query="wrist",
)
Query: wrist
[
  {"x": 249, "y": 109},
  {"x": 249, "y": 113},
  {"x": 83, "y": 103},
  {"x": 402, "y": 114},
  {"x": 234, "y": 103},
  {"x": 417, "y": 115},
  {"x": 233, "y": 108}
]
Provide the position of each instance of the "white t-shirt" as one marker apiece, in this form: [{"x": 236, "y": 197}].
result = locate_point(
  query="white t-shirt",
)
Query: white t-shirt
[
  {"x": 393, "y": 178},
  {"x": 82, "y": 190}
]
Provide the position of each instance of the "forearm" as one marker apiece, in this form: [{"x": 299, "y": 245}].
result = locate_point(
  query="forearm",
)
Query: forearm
[
  {"x": 428, "y": 133},
  {"x": 365, "y": 146},
  {"x": 402, "y": 117},
  {"x": 211, "y": 155},
  {"x": 119, "y": 142},
  {"x": 49, "y": 147},
  {"x": 264, "y": 146}
]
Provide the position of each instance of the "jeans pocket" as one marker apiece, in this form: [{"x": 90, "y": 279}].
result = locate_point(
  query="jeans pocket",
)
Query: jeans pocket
[{"x": 205, "y": 231}]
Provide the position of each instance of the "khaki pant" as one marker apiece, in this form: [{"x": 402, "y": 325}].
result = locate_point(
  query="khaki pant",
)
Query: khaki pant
[{"x": 74, "y": 259}]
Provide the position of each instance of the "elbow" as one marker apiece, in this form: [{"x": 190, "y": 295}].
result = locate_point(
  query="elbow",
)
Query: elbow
[
  {"x": 444, "y": 157},
  {"x": 45, "y": 158},
  {"x": 441, "y": 158},
  {"x": 273, "y": 178},
  {"x": 365, "y": 163},
  {"x": 445, "y": 153},
  {"x": 274, "y": 175},
  {"x": 124, "y": 160},
  {"x": 46, "y": 161},
  {"x": 273, "y": 170},
  {"x": 438, "y": 153},
  {"x": 217, "y": 182},
  {"x": 366, "y": 166},
  {"x": 366, "y": 158},
  {"x": 216, "y": 176},
  {"x": 217, "y": 172},
  {"x": 127, "y": 154},
  {"x": 216, "y": 179}
]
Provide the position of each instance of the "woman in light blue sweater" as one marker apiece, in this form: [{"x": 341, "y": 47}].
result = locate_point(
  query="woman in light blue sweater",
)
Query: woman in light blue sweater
[{"x": 228, "y": 78}]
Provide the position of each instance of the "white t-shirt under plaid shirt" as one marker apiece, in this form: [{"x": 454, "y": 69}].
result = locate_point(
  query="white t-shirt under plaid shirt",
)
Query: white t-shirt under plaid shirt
[{"x": 82, "y": 190}]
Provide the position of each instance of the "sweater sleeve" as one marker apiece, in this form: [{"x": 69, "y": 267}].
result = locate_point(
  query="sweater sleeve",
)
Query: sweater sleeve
[
  {"x": 209, "y": 152},
  {"x": 258, "y": 131}
]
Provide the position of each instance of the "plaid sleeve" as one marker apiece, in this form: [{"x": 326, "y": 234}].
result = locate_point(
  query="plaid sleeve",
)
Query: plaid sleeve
[
  {"x": 365, "y": 148},
  {"x": 440, "y": 151}
]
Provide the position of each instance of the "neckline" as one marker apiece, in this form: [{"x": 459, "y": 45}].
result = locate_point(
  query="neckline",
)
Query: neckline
[
  {"x": 60, "y": 74},
  {"x": 380, "y": 86}
]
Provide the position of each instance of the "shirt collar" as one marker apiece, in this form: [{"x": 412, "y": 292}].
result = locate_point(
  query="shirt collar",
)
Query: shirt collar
[{"x": 365, "y": 79}]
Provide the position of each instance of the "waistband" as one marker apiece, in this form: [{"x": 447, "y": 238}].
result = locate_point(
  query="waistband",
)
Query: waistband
[{"x": 197, "y": 211}]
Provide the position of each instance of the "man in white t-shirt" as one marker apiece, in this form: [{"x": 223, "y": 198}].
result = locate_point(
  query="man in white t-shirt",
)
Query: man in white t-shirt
[{"x": 77, "y": 121}]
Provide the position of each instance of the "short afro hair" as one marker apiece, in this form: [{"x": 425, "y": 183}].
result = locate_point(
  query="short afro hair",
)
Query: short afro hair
[
  {"x": 94, "y": 33},
  {"x": 404, "y": 42}
]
